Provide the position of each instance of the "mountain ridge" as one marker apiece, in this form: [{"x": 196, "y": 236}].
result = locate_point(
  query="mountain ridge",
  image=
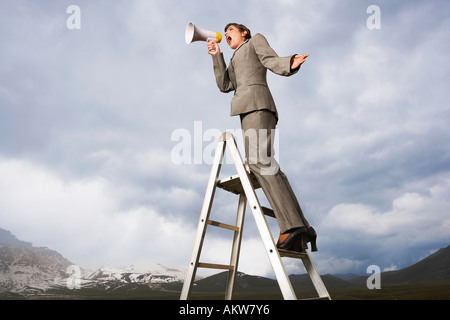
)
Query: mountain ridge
[
  {"x": 27, "y": 271},
  {"x": 435, "y": 266},
  {"x": 7, "y": 237}
]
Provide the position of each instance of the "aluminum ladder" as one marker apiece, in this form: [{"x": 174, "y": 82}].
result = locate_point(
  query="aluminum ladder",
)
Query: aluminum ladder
[{"x": 244, "y": 185}]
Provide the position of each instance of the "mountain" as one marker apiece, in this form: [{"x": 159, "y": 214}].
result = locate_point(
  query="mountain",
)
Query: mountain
[
  {"x": 30, "y": 270},
  {"x": 432, "y": 268},
  {"x": 249, "y": 286},
  {"x": 243, "y": 282},
  {"x": 7, "y": 237},
  {"x": 108, "y": 277},
  {"x": 427, "y": 279},
  {"x": 26, "y": 271},
  {"x": 37, "y": 272}
]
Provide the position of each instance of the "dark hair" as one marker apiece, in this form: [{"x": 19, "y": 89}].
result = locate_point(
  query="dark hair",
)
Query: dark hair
[{"x": 241, "y": 28}]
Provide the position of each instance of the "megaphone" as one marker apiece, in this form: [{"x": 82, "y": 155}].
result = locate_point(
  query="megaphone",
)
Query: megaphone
[{"x": 194, "y": 33}]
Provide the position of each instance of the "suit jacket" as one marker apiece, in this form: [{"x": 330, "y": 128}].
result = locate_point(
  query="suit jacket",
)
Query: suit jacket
[{"x": 247, "y": 75}]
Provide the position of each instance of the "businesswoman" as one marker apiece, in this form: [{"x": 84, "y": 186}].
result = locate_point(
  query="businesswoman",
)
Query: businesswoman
[{"x": 253, "y": 102}]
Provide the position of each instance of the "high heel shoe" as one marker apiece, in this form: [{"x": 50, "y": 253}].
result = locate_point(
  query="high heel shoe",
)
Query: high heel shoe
[
  {"x": 311, "y": 236},
  {"x": 295, "y": 237},
  {"x": 302, "y": 246}
]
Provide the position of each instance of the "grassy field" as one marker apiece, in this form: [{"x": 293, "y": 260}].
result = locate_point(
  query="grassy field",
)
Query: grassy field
[{"x": 417, "y": 291}]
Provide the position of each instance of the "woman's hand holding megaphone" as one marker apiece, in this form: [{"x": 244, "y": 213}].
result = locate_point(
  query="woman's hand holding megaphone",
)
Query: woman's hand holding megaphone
[{"x": 213, "y": 48}]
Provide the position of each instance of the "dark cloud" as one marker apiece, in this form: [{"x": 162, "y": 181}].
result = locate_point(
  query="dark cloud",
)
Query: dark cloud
[{"x": 90, "y": 114}]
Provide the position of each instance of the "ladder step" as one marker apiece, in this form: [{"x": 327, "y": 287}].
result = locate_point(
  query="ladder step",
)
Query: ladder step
[
  {"x": 317, "y": 298},
  {"x": 268, "y": 212},
  {"x": 292, "y": 254},
  {"x": 215, "y": 266},
  {"x": 233, "y": 183},
  {"x": 222, "y": 225}
]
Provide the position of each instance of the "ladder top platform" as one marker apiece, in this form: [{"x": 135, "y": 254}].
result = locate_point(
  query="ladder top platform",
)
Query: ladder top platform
[{"x": 233, "y": 184}]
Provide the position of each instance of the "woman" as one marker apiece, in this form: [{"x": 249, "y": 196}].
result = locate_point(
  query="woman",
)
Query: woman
[{"x": 253, "y": 102}]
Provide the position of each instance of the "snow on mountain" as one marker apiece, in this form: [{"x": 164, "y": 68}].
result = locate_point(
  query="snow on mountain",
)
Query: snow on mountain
[
  {"x": 157, "y": 274},
  {"x": 28, "y": 270}
]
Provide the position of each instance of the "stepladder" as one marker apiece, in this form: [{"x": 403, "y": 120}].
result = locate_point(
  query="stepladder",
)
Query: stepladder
[{"x": 243, "y": 184}]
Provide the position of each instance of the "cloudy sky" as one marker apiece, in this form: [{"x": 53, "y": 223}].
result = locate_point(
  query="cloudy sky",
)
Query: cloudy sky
[{"x": 88, "y": 118}]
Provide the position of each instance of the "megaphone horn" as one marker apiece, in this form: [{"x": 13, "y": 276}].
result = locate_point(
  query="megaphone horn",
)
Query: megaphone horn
[{"x": 194, "y": 33}]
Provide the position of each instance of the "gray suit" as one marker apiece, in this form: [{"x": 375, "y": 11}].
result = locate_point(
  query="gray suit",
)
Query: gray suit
[{"x": 246, "y": 76}]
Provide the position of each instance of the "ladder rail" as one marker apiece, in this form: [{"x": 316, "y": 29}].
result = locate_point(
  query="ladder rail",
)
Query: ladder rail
[
  {"x": 261, "y": 223},
  {"x": 204, "y": 216},
  {"x": 236, "y": 248},
  {"x": 315, "y": 277}
]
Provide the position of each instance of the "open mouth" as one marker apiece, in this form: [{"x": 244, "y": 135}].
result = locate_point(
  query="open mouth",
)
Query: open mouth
[{"x": 228, "y": 39}]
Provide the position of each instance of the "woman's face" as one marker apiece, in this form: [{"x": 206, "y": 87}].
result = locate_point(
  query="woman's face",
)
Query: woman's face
[{"x": 234, "y": 37}]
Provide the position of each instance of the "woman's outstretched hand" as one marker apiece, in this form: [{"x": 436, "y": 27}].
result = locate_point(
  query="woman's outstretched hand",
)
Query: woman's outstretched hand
[
  {"x": 213, "y": 48},
  {"x": 297, "y": 60}
]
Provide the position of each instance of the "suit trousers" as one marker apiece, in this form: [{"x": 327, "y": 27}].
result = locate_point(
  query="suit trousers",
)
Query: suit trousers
[{"x": 259, "y": 130}]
